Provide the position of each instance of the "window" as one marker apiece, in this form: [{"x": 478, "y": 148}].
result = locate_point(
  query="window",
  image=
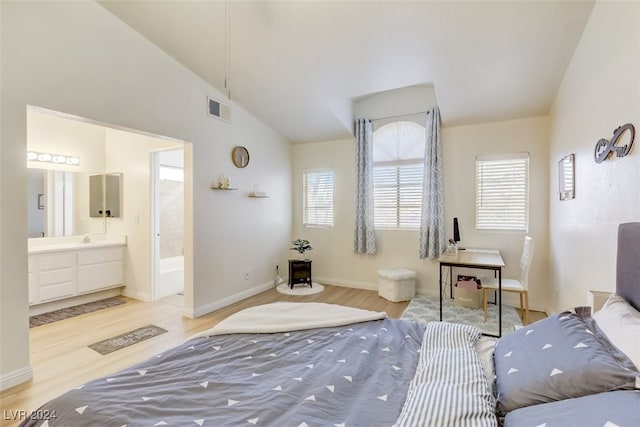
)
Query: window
[
  {"x": 502, "y": 192},
  {"x": 398, "y": 168},
  {"x": 318, "y": 198}
]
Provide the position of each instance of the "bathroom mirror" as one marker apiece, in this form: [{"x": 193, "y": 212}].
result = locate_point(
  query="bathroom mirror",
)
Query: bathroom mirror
[
  {"x": 105, "y": 195},
  {"x": 57, "y": 204}
]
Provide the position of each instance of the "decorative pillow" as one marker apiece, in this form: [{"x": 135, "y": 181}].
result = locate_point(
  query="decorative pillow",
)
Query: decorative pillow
[
  {"x": 560, "y": 357},
  {"x": 621, "y": 324},
  {"x": 616, "y": 408}
]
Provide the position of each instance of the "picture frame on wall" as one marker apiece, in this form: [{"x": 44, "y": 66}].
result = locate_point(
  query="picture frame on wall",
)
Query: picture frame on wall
[{"x": 566, "y": 177}]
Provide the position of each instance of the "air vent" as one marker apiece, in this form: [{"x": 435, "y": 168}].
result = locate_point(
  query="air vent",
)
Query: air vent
[{"x": 218, "y": 109}]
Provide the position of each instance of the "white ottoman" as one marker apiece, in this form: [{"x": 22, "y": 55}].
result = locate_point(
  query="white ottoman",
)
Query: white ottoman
[{"x": 396, "y": 284}]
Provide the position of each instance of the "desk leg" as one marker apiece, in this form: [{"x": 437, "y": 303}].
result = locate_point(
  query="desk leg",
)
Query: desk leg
[
  {"x": 499, "y": 302},
  {"x": 440, "y": 287}
]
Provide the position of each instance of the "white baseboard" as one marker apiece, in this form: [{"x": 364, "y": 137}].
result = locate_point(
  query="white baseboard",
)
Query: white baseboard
[
  {"x": 16, "y": 377},
  {"x": 208, "y": 308},
  {"x": 347, "y": 283},
  {"x": 140, "y": 296}
]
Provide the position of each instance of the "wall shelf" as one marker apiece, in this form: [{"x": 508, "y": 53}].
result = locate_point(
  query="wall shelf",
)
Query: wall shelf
[
  {"x": 259, "y": 196},
  {"x": 223, "y": 189}
]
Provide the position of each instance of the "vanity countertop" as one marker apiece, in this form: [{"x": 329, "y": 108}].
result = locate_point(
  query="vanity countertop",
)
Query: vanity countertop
[{"x": 58, "y": 247}]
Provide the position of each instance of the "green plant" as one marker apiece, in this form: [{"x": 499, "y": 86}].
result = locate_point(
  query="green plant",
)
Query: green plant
[{"x": 301, "y": 245}]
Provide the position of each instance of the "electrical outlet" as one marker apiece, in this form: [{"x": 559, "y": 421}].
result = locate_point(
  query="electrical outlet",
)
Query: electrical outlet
[{"x": 247, "y": 274}]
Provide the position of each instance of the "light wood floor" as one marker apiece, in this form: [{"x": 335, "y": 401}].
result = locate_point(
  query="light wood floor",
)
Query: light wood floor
[{"x": 61, "y": 359}]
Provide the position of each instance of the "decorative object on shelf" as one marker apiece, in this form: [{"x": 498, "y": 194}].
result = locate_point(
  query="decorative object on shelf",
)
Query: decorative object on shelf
[
  {"x": 240, "y": 156},
  {"x": 605, "y": 147},
  {"x": 224, "y": 183},
  {"x": 566, "y": 177},
  {"x": 257, "y": 193},
  {"x": 301, "y": 245}
]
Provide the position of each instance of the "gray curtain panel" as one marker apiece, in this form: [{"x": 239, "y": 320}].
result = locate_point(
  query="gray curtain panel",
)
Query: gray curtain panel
[
  {"x": 432, "y": 241},
  {"x": 364, "y": 239}
]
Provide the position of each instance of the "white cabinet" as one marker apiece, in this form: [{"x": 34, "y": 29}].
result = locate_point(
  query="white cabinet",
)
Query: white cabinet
[
  {"x": 70, "y": 272},
  {"x": 99, "y": 268},
  {"x": 56, "y": 275}
]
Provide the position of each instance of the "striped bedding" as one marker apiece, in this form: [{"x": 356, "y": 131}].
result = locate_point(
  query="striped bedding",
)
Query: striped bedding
[{"x": 449, "y": 387}]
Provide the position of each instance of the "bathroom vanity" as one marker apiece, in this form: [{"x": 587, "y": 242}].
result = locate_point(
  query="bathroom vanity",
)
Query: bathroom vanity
[{"x": 62, "y": 269}]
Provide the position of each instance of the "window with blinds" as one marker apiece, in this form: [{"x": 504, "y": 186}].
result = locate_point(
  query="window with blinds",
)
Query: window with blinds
[
  {"x": 502, "y": 192},
  {"x": 398, "y": 169},
  {"x": 317, "y": 192},
  {"x": 397, "y": 195}
]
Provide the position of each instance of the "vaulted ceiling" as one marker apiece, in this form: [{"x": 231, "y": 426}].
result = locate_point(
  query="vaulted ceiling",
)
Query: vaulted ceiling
[{"x": 298, "y": 65}]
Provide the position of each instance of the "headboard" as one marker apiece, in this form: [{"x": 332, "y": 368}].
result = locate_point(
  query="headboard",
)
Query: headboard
[{"x": 628, "y": 264}]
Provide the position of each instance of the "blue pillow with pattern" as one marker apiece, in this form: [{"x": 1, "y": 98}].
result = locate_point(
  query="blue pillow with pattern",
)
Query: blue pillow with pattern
[
  {"x": 616, "y": 408},
  {"x": 561, "y": 357}
]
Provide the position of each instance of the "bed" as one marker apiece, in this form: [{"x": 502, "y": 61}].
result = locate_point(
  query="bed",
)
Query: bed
[{"x": 340, "y": 366}]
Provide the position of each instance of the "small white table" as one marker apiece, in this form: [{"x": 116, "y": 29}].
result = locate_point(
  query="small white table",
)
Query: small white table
[{"x": 485, "y": 259}]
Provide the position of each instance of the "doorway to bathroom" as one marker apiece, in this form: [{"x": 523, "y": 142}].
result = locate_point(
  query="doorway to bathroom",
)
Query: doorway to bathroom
[{"x": 168, "y": 212}]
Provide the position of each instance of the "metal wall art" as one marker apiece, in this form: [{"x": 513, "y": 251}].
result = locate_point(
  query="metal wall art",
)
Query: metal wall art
[{"x": 605, "y": 147}]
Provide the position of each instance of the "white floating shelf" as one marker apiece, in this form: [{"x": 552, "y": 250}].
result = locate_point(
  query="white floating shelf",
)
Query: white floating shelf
[{"x": 224, "y": 189}]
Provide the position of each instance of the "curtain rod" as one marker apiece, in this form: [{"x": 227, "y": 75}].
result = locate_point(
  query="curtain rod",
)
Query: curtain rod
[{"x": 398, "y": 116}]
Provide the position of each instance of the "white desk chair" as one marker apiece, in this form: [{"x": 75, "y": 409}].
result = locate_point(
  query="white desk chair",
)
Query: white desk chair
[{"x": 519, "y": 285}]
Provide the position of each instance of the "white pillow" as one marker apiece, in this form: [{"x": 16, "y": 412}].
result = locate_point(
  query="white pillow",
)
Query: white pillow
[
  {"x": 621, "y": 323},
  {"x": 485, "y": 346}
]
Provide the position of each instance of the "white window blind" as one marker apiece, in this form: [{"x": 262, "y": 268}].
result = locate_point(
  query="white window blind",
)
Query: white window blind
[
  {"x": 398, "y": 168},
  {"x": 397, "y": 193},
  {"x": 502, "y": 192},
  {"x": 318, "y": 198}
]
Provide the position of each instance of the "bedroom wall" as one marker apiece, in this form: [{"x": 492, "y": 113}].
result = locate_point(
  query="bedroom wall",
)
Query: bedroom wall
[
  {"x": 600, "y": 91},
  {"x": 77, "y": 58},
  {"x": 333, "y": 259}
]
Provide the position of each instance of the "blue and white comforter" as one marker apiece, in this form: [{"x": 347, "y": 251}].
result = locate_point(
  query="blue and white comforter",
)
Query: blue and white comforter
[{"x": 352, "y": 375}]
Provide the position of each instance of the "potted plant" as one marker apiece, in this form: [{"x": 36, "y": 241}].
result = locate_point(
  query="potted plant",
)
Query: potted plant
[{"x": 301, "y": 245}]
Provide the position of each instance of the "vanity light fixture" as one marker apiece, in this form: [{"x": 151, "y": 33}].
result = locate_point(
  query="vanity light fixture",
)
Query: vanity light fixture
[{"x": 53, "y": 158}]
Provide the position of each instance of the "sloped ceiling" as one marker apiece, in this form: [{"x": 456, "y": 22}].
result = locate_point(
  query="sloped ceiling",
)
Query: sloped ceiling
[{"x": 298, "y": 65}]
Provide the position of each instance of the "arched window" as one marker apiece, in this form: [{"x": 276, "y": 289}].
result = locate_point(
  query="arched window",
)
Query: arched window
[{"x": 398, "y": 167}]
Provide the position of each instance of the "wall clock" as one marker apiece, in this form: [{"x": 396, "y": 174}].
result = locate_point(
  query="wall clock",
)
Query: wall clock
[{"x": 240, "y": 156}]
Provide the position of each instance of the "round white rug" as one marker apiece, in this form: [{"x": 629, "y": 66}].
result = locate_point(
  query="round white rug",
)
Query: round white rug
[{"x": 300, "y": 290}]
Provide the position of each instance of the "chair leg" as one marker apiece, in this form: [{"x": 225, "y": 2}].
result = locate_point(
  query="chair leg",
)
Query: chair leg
[
  {"x": 521, "y": 306},
  {"x": 484, "y": 302},
  {"x": 526, "y": 307}
]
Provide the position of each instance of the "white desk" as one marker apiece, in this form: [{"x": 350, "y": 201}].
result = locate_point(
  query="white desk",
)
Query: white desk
[{"x": 485, "y": 259}]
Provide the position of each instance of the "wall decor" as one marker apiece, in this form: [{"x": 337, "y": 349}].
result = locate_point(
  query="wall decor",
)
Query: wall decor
[
  {"x": 605, "y": 147},
  {"x": 566, "y": 177},
  {"x": 240, "y": 156}
]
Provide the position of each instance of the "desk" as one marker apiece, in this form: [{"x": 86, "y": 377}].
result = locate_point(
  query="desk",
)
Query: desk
[{"x": 485, "y": 259}]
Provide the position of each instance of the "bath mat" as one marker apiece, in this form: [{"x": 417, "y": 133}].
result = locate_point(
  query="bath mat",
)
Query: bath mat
[
  {"x": 76, "y": 310},
  {"x": 128, "y": 338}
]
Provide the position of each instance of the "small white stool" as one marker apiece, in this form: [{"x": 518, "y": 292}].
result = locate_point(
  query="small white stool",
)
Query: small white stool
[{"x": 397, "y": 284}]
